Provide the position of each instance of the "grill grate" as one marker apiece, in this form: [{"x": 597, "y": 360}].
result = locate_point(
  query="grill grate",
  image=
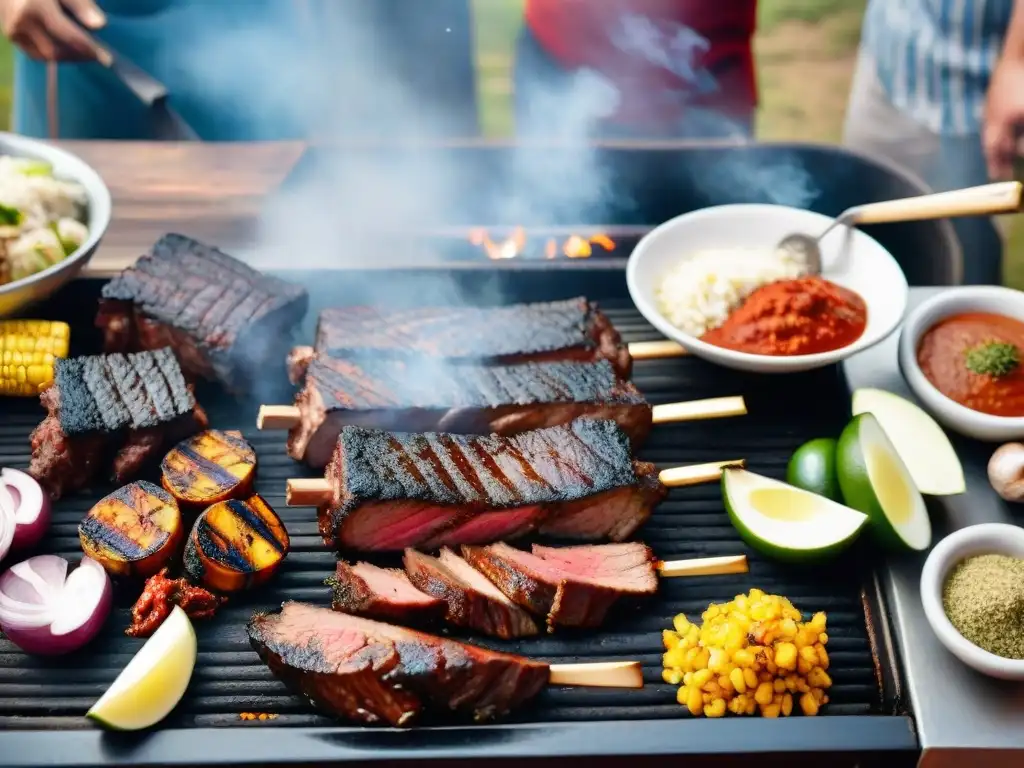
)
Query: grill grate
[{"x": 229, "y": 679}]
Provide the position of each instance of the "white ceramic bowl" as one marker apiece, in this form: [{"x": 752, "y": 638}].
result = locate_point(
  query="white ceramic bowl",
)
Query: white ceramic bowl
[
  {"x": 849, "y": 258},
  {"x": 984, "y": 539},
  {"x": 952, "y": 301},
  {"x": 20, "y": 293}
]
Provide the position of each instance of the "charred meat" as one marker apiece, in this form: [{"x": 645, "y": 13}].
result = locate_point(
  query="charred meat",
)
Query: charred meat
[
  {"x": 367, "y": 590},
  {"x": 105, "y": 411},
  {"x": 471, "y": 399},
  {"x": 225, "y": 321},
  {"x": 570, "y": 330},
  {"x": 472, "y": 601},
  {"x": 392, "y": 491},
  {"x": 571, "y": 586},
  {"x": 371, "y": 672}
]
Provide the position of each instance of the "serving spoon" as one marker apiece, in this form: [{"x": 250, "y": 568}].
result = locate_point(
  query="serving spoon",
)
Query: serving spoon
[{"x": 1002, "y": 197}]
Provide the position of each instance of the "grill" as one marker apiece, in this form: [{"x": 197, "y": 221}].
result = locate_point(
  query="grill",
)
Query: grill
[{"x": 42, "y": 702}]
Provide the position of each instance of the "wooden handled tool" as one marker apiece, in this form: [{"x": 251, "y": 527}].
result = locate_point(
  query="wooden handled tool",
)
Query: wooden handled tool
[
  {"x": 274, "y": 417},
  {"x": 599, "y": 674},
  {"x": 316, "y": 491}
]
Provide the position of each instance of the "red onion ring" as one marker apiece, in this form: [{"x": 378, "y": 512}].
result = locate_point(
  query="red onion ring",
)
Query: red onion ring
[
  {"x": 46, "y": 611},
  {"x": 24, "y": 511}
]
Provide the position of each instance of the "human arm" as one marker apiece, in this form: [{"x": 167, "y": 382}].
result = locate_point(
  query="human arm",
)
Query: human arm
[
  {"x": 53, "y": 30},
  {"x": 1004, "y": 106}
]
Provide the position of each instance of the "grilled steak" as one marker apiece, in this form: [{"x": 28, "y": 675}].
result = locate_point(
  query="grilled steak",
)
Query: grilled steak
[
  {"x": 427, "y": 395},
  {"x": 572, "y": 586},
  {"x": 381, "y": 593},
  {"x": 392, "y": 491},
  {"x": 471, "y": 600},
  {"x": 571, "y": 330},
  {"x": 372, "y": 672},
  {"x": 119, "y": 410},
  {"x": 224, "y": 320}
]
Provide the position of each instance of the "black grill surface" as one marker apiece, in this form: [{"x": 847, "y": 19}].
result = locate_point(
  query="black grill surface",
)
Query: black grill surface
[{"x": 229, "y": 679}]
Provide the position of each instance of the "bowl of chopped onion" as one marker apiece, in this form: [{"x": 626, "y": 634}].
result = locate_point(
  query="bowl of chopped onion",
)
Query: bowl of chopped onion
[
  {"x": 54, "y": 210},
  {"x": 714, "y": 281}
]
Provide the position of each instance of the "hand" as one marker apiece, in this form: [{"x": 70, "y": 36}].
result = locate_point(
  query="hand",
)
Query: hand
[
  {"x": 45, "y": 29},
  {"x": 1004, "y": 117}
]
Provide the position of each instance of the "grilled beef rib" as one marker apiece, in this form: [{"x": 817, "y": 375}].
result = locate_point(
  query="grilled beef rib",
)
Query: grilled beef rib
[
  {"x": 110, "y": 410},
  {"x": 427, "y": 395},
  {"x": 367, "y": 590},
  {"x": 392, "y": 491},
  {"x": 569, "y": 330},
  {"x": 224, "y": 320},
  {"x": 572, "y": 586},
  {"x": 371, "y": 672}
]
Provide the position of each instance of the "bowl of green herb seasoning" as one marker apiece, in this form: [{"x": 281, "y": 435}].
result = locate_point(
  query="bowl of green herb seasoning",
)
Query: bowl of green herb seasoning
[
  {"x": 962, "y": 354},
  {"x": 972, "y": 589}
]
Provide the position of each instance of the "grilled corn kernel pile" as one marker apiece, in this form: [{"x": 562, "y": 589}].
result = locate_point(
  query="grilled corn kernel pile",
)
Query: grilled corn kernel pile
[
  {"x": 28, "y": 349},
  {"x": 752, "y": 654}
]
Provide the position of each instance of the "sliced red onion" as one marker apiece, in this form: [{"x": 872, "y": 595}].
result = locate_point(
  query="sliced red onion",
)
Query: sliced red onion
[
  {"x": 46, "y": 611},
  {"x": 8, "y": 522},
  {"x": 31, "y": 507}
]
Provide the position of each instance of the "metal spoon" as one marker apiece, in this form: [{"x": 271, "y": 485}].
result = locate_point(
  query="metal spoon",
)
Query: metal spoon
[{"x": 1002, "y": 197}]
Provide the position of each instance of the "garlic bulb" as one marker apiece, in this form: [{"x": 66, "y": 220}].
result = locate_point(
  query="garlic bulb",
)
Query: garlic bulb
[{"x": 1006, "y": 471}]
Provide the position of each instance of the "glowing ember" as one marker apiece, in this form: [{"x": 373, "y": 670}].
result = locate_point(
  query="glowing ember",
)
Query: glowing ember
[{"x": 574, "y": 247}]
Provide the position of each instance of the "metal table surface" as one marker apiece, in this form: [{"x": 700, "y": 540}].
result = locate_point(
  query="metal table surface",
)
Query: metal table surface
[{"x": 960, "y": 715}]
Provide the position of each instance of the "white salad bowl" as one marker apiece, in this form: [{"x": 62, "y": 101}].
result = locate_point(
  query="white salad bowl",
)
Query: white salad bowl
[
  {"x": 984, "y": 539},
  {"x": 850, "y": 258},
  {"x": 954, "y": 301},
  {"x": 18, "y": 294}
]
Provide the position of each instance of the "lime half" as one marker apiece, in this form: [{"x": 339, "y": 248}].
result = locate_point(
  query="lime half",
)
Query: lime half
[{"x": 154, "y": 681}]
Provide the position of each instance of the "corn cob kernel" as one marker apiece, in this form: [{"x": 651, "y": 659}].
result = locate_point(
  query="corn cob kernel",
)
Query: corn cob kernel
[{"x": 28, "y": 349}]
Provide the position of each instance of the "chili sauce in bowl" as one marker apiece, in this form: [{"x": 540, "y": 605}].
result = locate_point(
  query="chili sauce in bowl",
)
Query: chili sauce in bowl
[{"x": 961, "y": 352}]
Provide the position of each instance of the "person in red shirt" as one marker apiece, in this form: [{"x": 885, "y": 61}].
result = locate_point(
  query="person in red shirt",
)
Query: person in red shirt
[{"x": 637, "y": 68}]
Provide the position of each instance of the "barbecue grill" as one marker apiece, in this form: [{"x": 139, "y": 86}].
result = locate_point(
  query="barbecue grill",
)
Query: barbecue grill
[
  {"x": 41, "y": 702},
  {"x": 442, "y": 203}
]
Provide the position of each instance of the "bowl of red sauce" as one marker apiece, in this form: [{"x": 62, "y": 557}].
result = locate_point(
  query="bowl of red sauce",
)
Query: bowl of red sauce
[
  {"x": 962, "y": 354},
  {"x": 713, "y": 281}
]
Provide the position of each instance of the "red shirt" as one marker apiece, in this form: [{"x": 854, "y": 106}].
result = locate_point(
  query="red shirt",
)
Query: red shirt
[{"x": 660, "y": 54}]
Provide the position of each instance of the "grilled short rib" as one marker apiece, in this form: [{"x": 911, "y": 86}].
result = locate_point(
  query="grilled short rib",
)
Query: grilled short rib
[
  {"x": 470, "y": 399},
  {"x": 367, "y": 590},
  {"x": 110, "y": 410},
  {"x": 570, "y": 330},
  {"x": 572, "y": 586},
  {"x": 392, "y": 491},
  {"x": 472, "y": 601},
  {"x": 226, "y": 321},
  {"x": 372, "y": 672}
]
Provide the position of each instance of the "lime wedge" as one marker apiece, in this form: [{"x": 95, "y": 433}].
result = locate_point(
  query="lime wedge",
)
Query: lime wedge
[
  {"x": 919, "y": 440},
  {"x": 786, "y": 522},
  {"x": 813, "y": 468},
  {"x": 875, "y": 481},
  {"x": 154, "y": 681}
]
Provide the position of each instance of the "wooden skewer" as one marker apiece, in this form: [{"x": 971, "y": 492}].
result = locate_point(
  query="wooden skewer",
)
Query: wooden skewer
[
  {"x": 277, "y": 417},
  {"x": 656, "y": 350},
  {"x": 703, "y": 566},
  {"x": 316, "y": 491},
  {"x": 599, "y": 674}
]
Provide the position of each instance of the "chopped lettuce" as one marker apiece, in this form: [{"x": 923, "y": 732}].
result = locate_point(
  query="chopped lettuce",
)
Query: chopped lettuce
[
  {"x": 29, "y": 167},
  {"x": 10, "y": 216}
]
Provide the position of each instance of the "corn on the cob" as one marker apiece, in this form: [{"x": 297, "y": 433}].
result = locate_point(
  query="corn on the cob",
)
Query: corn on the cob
[
  {"x": 753, "y": 654},
  {"x": 28, "y": 349}
]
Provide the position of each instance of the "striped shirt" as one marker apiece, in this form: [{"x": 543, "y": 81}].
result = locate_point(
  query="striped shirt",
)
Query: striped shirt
[{"x": 935, "y": 57}]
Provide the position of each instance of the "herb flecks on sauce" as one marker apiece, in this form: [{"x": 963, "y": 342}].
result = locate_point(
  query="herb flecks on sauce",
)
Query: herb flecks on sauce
[{"x": 993, "y": 358}]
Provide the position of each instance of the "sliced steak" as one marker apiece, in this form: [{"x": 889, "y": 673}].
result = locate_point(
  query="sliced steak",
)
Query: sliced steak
[
  {"x": 574, "y": 589},
  {"x": 382, "y": 593},
  {"x": 469, "y": 399},
  {"x": 117, "y": 411},
  {"x": 471, "y": 600},
  {"x": 224, "y": 320},
  {"x": 392, "y": 491},
  {"x": 570, "y": 330},
  {"x": 371, "y": 672}
]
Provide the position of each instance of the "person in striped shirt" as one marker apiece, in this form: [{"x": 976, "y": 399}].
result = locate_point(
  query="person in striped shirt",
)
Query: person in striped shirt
[{"x": 939, "y": 89}]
